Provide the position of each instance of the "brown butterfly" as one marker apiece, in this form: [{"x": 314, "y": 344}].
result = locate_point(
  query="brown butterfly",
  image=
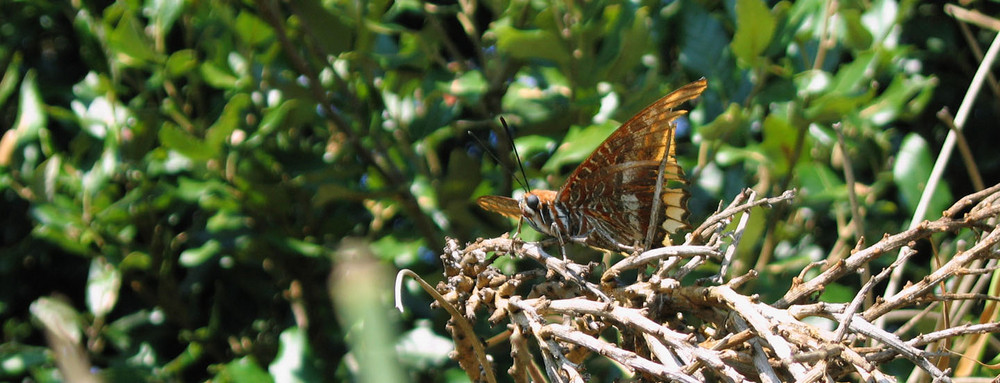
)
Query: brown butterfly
[{"x": 607, "y": 203}]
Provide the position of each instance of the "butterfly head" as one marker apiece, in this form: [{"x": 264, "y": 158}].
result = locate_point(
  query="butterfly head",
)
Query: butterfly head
[{"x": 537, "y": 207}]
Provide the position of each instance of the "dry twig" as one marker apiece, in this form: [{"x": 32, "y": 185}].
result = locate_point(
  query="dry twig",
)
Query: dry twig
[{"x": 669, "y": 331}]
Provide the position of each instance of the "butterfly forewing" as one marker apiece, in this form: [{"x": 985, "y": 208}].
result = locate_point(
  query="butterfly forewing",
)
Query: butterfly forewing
[{"x": 614, "y": 188}]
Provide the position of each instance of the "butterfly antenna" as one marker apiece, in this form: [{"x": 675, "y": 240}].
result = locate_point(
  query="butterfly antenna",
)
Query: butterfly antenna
[
  {"x": 495, "y": 158},
  {"x": 517, "y": 156}
]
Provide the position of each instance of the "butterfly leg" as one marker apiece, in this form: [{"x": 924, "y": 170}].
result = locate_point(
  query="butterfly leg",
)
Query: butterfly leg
[{"x": 554, "y": 229}]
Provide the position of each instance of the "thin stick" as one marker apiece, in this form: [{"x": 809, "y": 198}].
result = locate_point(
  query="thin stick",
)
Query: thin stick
[
  {"x": 972, "y": 17},
  {"x": 852, "y": 195},
  {"x": 944, "y": 155},
  {"x": 963, "y": 148},
  {"x": 977, "y": 51},
  {"x": 456, "y": 316}
]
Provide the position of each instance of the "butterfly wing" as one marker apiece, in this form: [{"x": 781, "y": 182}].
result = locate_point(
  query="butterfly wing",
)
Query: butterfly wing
[
  {"x": 508, "y": 207},
  {"x": 614, "y": 187}
]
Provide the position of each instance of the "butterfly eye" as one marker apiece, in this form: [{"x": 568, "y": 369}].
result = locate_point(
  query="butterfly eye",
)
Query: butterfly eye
[{"x": 532, "y": 201}]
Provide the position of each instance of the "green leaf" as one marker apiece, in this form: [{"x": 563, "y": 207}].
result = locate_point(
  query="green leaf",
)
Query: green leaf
[
  {"x": 103, "y": 285},
  {"x": 578, "y": 144},
  {"x": 231, "y": 118},
  {"x": 274, "y": 118},
  {"x": 857, "y": 37},
  {"x": 59, "y": 319},
  {"x": 8, "y": 84},
  {"x": 18, "y": 359},
  {"x": 163, "y": 14},
  {"x": 181, "y": 63},
  {"x": 881, "y": 20},
  {"x": 338, "y": 34},
  {"x": 704, "y": 44},
  {"x": 819, "y": 183},
  {"x": 136, "y": 260},
  {"x": 470, "y": 86},
  {"x": 855, "y": 76},
  {"x": 833, "y": 107},
  {"x": 812, "y": 82},
  {"x": 531, "y": 44},
  {"x": 129, "y": 43},
  {"x": 299, "y": 246},
  {"x": 894, "y": 102},
  {"x": 631, "y": 40},
  {"x": 421, "y": 348},
  {"x": 727, "y": 123},
  {"x": 31, "y": 117},
  {"x": 538, "y": 107},
  {"x": 295, "y": 361},
  {"x": 401, "y": 252},
  {"x": 244, "y": 369},
  {"x": 184, "y": 143},
  {"x": 910, "y": 173},
  {"x": 226, "y": 221},
  {"x": 729, "y": 155},
  {"x": 837, "y": 293},
  {"x": 61, "y": 225},
  {"x": 779, "y": 143},
  {"x": 197, "y": 256},
  {"x": 754, "y": 29},
  {"x": 252, "y": 29},
  {"x": 530, "y": 146},
  {"x": 217, "y": 77}
]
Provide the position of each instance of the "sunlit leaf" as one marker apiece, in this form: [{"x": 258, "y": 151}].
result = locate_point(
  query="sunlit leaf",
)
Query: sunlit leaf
[
  {"x": 17, "y": 359},
  {"x": 819, "y": 183},
  {"x": 130, "y": 44},
  {"x": 393, "y": 249},
  {"x": 185, "y": 143},
  {"x": 531, "y": 44},
  {"x": 857, "y": 36},
  {"x": 198, "y": 255},
  {"x": 103, "y": 285},
  {"x": 163, "y": 14},
  {"x": 422, "y": 348},
  {"x": 295, "y": 359},
  {"x": 754, "y": 29},
  {"x": 11, "y": 76},
  {"x": 910, "y": 174},
  {"x": 301, "y": 247},
  {"x": 217, "y": 77},
  {"x": 59, "y": 318},
  {"x": 181, "y": 62},
  {"x": 779, "y": 143},
  {"x": 31, "y": 116},
  {"x": 725, "y": 124},
  {"x": 231, "y": 118},
  {"x": 894, "y": 100},
  {"x": 244, "y": 369},
  {"x": 252, "y": 29},
  {"x": 579, "y": 143}
]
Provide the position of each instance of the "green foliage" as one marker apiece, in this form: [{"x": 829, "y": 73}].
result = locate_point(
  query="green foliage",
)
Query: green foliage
[{"x": 176, "y": 175}]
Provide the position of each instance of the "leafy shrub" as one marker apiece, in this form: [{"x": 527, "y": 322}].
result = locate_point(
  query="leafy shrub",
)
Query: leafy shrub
[{"x": 188, "y": 184}]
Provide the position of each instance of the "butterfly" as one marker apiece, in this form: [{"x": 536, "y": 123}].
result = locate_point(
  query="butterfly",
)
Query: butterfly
[{"x": 607, "y": 202}]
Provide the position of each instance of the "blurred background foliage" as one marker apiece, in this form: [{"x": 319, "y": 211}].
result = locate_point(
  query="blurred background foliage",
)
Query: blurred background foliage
[{"x": 222, "y": 190}]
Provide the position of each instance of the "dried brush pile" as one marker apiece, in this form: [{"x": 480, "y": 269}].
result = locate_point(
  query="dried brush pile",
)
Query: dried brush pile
[{"x": 561, "y": 316}]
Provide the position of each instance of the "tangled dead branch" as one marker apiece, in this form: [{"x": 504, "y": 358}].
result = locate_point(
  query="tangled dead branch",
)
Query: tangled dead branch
[{"x": 637, "y": 313}]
